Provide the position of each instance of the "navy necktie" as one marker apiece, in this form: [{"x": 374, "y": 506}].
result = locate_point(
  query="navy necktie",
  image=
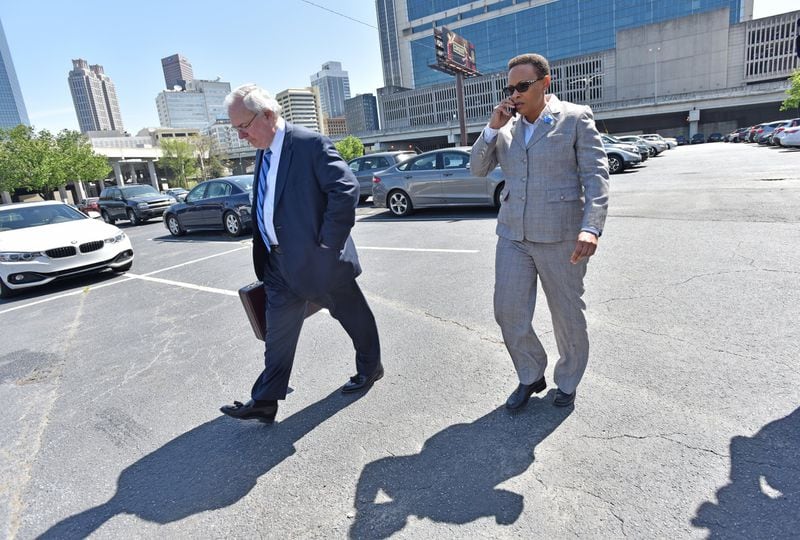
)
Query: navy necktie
[{"x": 262, "y": 190}]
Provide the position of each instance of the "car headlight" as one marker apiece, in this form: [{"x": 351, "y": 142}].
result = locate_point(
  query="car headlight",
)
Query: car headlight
[
  {"x": 142, "y": 206},
  {"x": 113, "y": 240},
  {"x": 19, "y": 256}
]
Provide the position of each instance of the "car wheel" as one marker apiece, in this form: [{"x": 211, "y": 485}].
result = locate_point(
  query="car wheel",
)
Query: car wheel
[
  {"x": 233, "y": 225},
  {"x": 124, "y": 268},
  {"x": 497, "y": 191},
  {"x": 106, "y": 217},
  {"x": 133, "y": 218},
  {"x": 399, "y": 203},
  {"x": 174, "y": 226},
  {"x": 615, "y": 164},
  {"x": 651, "y": 151}
]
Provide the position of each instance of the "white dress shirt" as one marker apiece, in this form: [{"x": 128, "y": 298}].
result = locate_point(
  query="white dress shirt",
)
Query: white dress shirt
[{"x": 272, "y": 175}]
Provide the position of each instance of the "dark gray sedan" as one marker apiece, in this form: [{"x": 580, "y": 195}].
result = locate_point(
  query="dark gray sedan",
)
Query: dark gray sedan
[
  {"x": 437, "y": 178},
  {"x": 218, "y": 204}
]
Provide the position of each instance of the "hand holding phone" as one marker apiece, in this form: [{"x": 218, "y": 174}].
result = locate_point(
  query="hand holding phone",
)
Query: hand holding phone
[{"x": 505, "y": 111}]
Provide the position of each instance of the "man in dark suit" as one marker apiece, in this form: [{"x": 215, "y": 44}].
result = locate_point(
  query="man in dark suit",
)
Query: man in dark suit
[{"x": 304, "y": 201}]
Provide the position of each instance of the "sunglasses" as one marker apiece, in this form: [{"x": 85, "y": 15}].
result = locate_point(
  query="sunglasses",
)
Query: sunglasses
[{"x": 520, "y": 87}]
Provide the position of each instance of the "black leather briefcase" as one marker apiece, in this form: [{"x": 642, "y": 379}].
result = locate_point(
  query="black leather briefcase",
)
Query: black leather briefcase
[{"x": 254, "y": 301}]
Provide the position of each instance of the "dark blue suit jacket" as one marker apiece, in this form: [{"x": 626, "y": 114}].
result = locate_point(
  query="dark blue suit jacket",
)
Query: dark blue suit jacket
[{"x": 316, "y": 195}]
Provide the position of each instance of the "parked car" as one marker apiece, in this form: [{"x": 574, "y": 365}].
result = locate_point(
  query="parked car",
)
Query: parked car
[
  {"x": 436, "y": 178},
  {"x": 773, "y": 137},
  {"x": 791, "y": 137},
  {"x": 44, "y": 241},
  {"x": 672, "y": 142},
  {"x": 642, "y": 146},
  {"x": 714, "y": 137},
  {"x": 737, "y": 135},
  {"x": 135, "y": 202},
  {"x": 661, "y": 144},
  {"x": 649, "y": 147},
  {"x": 697, "y": 138},
  {"x": 365, "y": 167},
  {"x": 753, "y": 132},
  {"x": 89, "y": 204},
  {"x": 681, "y": 140},
  {"x": 767, "y": 129},
  {"x": 620, "y": 155},
  {"x": 178, "y": 193},
  {"x": 779, "y": 137},
  {"x": 214, "y": 205}
]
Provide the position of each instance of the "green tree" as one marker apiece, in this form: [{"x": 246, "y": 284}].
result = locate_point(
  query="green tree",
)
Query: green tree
[
  {"x": 81, "y": 163},
  {"x": 793, "y": 101},
  {"x": 42, "y": 162},
  {"x": 178, "y": 156},
  {"x": 350, "y": 147}
]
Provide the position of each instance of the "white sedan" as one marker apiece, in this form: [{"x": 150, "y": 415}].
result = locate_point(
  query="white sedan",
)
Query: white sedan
[
  {"x": 44, "y": 241},
  {"x": 789, "y": 137}
]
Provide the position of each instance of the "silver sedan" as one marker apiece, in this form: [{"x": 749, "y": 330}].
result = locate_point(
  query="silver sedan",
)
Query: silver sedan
[{"x": 437, "y": 178}]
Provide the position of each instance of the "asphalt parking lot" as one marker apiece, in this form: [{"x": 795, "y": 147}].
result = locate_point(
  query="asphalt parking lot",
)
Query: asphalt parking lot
[{"x": 686, "y": 425}]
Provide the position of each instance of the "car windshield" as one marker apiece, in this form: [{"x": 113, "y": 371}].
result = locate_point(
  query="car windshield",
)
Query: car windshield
[
  {"x": 36, "y": 216},
  {"x": 137, "y": 191}
]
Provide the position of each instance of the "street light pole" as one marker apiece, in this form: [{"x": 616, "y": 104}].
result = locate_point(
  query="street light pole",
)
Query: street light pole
[{"x": 655, "y": 50}]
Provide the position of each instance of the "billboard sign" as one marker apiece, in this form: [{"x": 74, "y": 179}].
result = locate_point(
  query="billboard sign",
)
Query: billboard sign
[{"x": 454, "y": 54}]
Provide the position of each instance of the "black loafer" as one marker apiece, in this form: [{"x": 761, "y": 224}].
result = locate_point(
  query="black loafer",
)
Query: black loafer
[
  {"x": 360, "y": 382},
  {"x": 252, "y": 410},
  {"x": 563, "y": 399},
  {"x": 523, "y": 393}
]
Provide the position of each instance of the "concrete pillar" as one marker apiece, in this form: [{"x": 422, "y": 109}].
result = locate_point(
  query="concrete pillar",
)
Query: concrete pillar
[
  {"x": 117, "y": 173},
  {"x": 151, "y": 169},
  {"x": 694, "y": 121},
  {"x": 62, "y": 192},
  {"x": 6, "y": 197},
  {"x": 134, "y": 177},
  {"x": 100, "y": 187},
  {"x": 80, "y": 189}
]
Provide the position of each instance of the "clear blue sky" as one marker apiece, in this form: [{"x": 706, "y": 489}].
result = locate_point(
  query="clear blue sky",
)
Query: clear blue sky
[{"x": 275, "y": 43}]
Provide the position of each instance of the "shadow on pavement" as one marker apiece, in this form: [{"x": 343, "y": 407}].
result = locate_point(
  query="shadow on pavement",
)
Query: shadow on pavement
[
  {"x": 453, "y": 478},
  {"x": 209, "y": 467},
  {"x": 762, "y": 499}
]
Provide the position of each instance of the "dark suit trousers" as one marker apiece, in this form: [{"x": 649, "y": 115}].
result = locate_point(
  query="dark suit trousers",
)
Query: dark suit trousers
[{"x": 285, "y": 315}]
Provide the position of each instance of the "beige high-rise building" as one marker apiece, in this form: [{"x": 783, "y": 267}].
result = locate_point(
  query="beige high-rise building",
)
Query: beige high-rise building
[
  {"x": 94, "y": 97},
  {"x": 300, "y": 107}
]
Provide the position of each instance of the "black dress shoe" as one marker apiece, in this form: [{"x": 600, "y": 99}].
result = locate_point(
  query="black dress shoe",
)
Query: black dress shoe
[
  {"x": 523, "y": 393},
  {"x": 362, "y": 382},
  {"x": 563, "y": 399},
  {"x": 264, "y": 412}
]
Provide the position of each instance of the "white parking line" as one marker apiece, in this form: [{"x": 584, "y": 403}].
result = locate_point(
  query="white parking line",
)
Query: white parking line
[
  {"x": 197, "y": 260},
  {"x": 146, "y": 277},
  {"x": 420, "y": 249}
]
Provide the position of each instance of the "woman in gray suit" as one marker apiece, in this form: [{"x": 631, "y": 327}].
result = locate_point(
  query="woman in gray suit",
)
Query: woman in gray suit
[{"x": 553, "y": 208}]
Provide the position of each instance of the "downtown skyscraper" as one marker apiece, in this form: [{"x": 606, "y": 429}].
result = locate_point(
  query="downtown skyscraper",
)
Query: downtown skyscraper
[
  {"x": 12, "y": 107},
  {"x": 333, "y": 85},
  {"x": 177, "y": 71},
  {"x": 94, "y": 97}
]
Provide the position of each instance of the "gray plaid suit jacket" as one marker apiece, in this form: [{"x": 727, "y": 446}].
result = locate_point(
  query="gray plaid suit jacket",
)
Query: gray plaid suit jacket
[{"x": 557, "y": 184}]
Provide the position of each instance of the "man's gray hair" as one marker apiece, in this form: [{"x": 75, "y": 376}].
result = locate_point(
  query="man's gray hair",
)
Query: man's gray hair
[{"x": 254, "y": 98}]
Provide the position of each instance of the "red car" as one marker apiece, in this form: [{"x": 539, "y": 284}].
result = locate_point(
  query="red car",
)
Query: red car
[{"x": 89, "y": 204}]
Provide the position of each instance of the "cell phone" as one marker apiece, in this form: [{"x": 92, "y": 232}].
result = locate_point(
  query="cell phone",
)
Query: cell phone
[{"x": 511, "y": 111}]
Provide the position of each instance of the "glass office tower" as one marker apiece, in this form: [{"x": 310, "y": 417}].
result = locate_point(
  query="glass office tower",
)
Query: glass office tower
[
  {"x": 12, "y": 107},
  {"x": 501, "y": 29}
]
